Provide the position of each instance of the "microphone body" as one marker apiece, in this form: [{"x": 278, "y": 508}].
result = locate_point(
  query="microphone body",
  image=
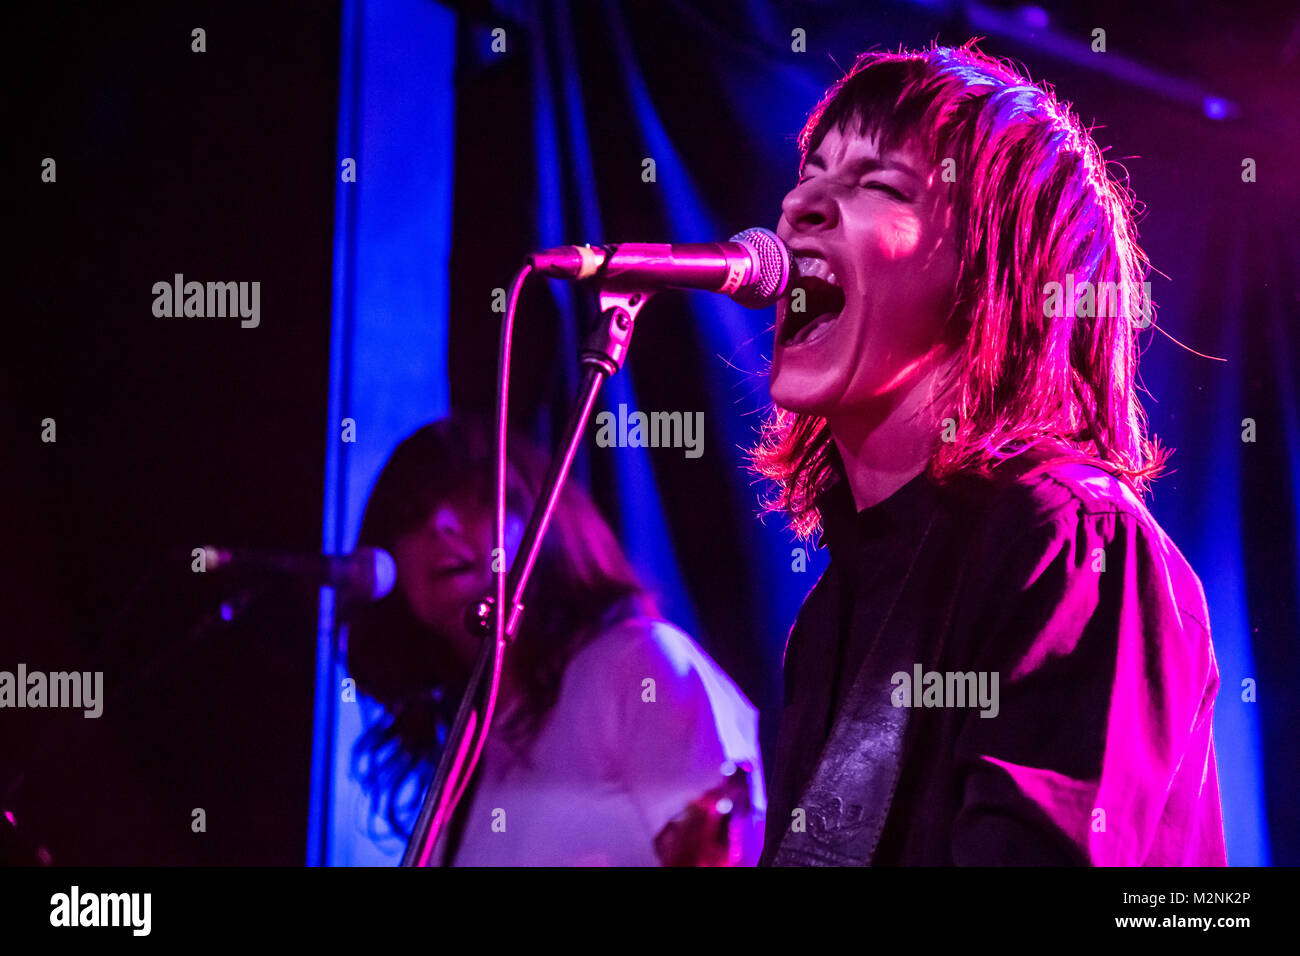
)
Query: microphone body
[
  {"x": 754, "y": 267},
  {"x": 366, "y": 574}
]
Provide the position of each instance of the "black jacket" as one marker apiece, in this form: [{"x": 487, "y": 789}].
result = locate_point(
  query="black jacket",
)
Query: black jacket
[{"x": 1052, "y": 583}]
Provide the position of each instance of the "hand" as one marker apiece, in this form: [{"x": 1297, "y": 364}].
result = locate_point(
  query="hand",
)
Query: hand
[{"x": 704, "y": 834}]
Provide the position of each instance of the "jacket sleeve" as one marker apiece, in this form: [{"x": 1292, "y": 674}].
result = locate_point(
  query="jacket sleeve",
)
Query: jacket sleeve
[{"x": 1101, "y": 750}]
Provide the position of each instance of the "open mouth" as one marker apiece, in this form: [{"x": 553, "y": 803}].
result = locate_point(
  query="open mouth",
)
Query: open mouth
[{"x": 817, "y": 290}]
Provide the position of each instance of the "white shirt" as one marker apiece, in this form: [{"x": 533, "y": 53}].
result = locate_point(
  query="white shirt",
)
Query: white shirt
[{"x": 643, "y": 723}]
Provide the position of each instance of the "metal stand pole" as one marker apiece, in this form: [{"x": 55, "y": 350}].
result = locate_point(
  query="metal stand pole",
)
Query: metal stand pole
[{"x": 602, "y": 356}]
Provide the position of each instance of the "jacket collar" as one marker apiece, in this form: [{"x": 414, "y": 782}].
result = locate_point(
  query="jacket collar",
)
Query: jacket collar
[{"x": 846, "y": 531}]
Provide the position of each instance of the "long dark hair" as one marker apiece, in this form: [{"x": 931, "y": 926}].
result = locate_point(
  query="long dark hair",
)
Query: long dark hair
[{"x": 582, "y": 585}]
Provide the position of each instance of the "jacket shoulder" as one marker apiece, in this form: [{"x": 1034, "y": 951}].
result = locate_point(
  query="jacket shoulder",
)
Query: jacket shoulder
[{"x": 1048, "y": 497}]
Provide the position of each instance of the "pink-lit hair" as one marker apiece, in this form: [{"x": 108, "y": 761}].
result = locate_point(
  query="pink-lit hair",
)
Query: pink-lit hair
[{"x": 1033, "y": 202}]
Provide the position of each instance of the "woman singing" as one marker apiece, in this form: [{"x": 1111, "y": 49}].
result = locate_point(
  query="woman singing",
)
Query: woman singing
[{"x": 1007, "y": 660}]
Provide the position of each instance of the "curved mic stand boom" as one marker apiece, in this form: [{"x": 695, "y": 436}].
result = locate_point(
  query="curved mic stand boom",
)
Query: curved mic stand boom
[{"x": 602, "y": 356}]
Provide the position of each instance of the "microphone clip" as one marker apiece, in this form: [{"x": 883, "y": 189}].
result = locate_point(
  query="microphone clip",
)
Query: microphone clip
[{"x": 607, "y": 345}]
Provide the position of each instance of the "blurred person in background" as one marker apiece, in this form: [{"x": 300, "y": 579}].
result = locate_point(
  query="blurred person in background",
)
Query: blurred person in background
[{"x": 587, "y": 761}]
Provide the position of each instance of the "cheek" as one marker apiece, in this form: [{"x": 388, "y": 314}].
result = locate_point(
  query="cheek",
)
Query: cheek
[
  {"x": 514, "y": 532},
  {"x": 917, "y": 277},
  {"x": 899, "y": 236},
  {"x": 882, "y": 231},
  {"x": 408, "y": 554},
  {"x": 411, "y": 564}
]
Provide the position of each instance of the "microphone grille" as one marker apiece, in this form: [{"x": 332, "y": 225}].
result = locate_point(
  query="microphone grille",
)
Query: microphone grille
[{"x": 775, "y": 265}]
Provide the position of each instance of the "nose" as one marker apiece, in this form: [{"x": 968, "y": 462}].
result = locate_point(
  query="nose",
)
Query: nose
[
  {"x": 446, "y": 523},
  {"x": 809, "y": 207}
]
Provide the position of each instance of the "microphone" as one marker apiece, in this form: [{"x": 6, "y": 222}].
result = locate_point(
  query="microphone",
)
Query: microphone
[
  {"x": 367, "y": 574},
  {"x": 754, "y": 267}
]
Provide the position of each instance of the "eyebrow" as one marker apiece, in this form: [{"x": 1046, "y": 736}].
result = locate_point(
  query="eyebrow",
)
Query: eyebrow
[{"x": 866, "y": 164}]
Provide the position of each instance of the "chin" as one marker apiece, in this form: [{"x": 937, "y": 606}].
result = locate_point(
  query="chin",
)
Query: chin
[
  {"x": 803, "y": 394},
  {"x": 797, "y": 403}
]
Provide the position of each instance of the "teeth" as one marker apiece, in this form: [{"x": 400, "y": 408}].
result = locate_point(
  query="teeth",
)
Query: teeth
[{"x": 815, "y": 267}]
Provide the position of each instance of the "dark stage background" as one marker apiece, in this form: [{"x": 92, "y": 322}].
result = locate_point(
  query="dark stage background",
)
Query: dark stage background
[
  {"x": 225, "y": 167},
  {"x": 170, "y": 434}
]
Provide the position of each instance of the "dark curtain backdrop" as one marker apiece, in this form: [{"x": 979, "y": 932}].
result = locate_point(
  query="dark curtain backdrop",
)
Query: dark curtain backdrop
[
  {"x": 551, "y": 138},
  {"x": 171, "y": 433}
]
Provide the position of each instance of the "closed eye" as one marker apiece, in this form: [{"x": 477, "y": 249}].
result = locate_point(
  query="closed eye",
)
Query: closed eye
[{"x": 876, "y": 184}]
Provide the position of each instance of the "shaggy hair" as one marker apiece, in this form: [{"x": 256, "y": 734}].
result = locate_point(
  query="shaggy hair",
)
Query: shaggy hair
[{"x": 1034, "y": 204}]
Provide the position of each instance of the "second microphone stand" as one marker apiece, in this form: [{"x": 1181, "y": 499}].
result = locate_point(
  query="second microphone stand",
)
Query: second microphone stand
[{"x": 603, "y": 355}]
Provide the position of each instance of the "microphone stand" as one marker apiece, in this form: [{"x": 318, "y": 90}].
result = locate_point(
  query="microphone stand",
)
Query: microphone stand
[{"x": 603, "y": 355}]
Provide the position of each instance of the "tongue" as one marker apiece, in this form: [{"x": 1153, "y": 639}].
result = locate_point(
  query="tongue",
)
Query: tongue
[
  {"x": 822, "y": 301},
  {"x": 814, "y": 329},
  {"x": 820, "y": 327}
]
